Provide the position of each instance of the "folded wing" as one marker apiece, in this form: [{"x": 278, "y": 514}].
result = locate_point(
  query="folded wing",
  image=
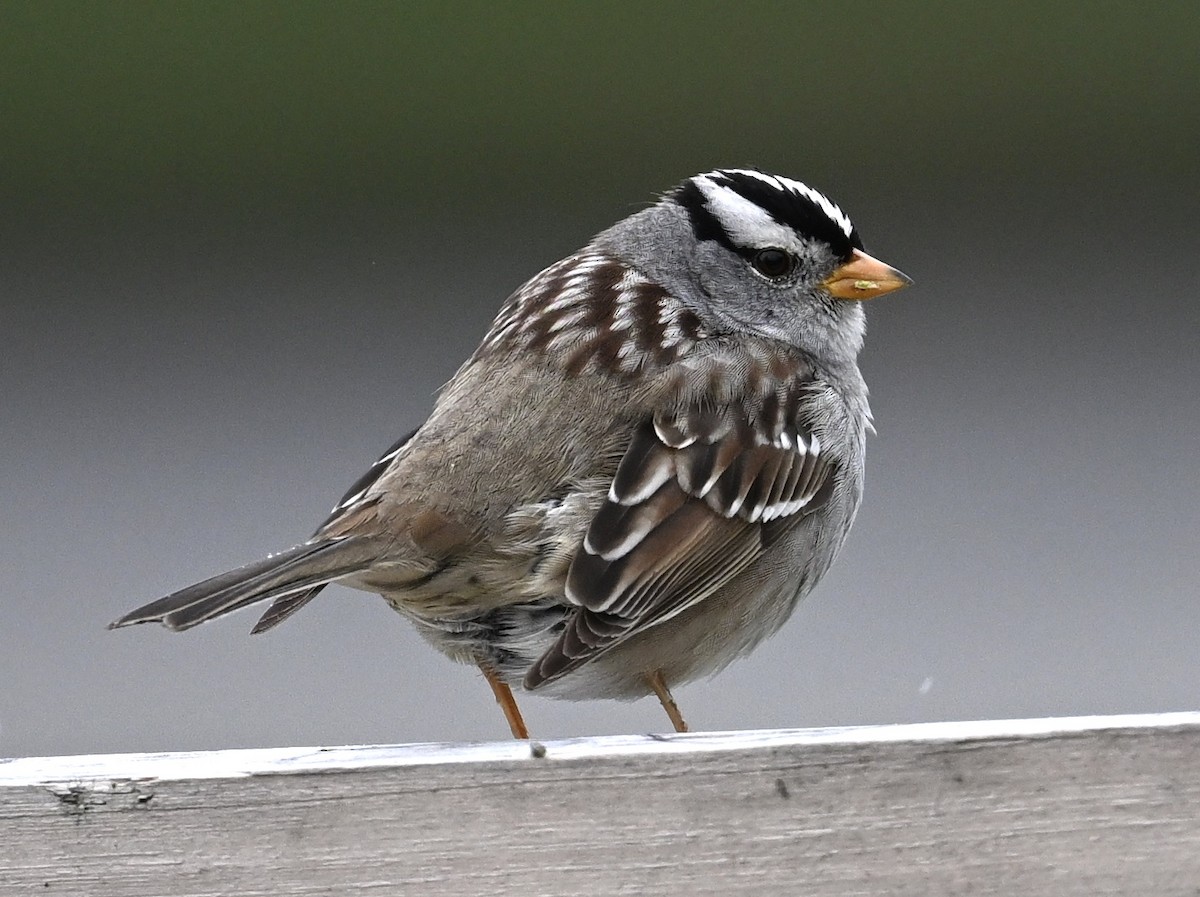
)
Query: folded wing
[{"x": 699, "y": 494}]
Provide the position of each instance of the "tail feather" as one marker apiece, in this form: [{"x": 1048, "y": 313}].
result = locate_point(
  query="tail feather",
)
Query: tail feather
[
  {"x": 283, "y": 607},
  {"x": 305, "y": 568}
]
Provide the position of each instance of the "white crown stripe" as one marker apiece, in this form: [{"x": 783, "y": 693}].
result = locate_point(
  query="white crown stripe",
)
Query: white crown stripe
[
  {"x": 829, "y": 207},
  {"x": 748, "y": 223}
]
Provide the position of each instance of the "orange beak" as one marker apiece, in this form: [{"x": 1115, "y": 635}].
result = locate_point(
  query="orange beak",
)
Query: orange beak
[{"x": 864, "y": 277}]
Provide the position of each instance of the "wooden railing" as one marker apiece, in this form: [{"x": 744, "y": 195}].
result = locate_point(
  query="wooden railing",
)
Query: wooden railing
[{"x": 1083, "y": 806}]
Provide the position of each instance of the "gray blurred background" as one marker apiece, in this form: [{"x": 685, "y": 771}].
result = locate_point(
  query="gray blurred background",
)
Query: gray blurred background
[{"x": 241, "y": 246}]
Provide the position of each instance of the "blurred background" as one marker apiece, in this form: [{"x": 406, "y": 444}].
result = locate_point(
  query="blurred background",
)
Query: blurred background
[{"x": 242, "y": 245}]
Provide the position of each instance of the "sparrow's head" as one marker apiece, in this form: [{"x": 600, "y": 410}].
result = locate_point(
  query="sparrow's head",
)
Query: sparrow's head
[{"x": 759, "y": 254}]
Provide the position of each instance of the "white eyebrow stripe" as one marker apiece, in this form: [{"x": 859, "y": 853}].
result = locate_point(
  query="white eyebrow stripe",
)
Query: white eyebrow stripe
[
  {"x": 747, "y": 223},
  {"x": 830, "y": 208}
]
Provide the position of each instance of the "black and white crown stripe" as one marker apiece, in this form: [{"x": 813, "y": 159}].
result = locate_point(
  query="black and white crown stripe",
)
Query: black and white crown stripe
[
  {"x": 720, "y": 179},
  {"x": 745, "y": 210}
]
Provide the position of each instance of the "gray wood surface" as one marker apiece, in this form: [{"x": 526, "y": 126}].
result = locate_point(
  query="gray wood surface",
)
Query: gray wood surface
[{"x": 1086, "y": 806}]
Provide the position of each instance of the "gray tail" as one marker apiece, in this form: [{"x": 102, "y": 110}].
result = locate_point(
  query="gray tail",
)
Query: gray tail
[{"x": 291, "y": 578}]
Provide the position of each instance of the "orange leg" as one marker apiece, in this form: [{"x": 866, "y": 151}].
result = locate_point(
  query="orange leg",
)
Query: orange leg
[
  {"x": 659, "y": 684},
  {"x": 504, "y": 697}
]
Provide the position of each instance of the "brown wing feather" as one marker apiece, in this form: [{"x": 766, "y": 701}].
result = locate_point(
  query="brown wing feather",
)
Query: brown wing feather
[{"x": 697, "y": 497}]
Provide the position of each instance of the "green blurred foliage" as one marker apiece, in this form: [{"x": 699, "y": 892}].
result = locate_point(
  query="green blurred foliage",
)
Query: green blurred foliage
[{"x": 308, "y": 103}]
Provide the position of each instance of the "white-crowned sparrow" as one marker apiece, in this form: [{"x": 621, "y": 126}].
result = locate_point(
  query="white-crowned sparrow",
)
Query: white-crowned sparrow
[{"x": 655, "y": 452}]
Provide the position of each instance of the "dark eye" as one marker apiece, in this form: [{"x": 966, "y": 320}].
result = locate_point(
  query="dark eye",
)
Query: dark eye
[{"x": 772, "y": 263}]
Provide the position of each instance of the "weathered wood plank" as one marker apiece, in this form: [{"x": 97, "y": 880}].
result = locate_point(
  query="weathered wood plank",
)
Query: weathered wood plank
[{"x": 1095, "y": 806}]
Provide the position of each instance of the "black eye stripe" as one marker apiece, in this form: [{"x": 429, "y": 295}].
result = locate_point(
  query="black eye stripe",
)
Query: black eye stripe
[{"x": 704, "y": 223}]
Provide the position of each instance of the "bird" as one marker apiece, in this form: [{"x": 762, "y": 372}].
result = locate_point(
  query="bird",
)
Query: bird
[{"x": 655, "y": 452}]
